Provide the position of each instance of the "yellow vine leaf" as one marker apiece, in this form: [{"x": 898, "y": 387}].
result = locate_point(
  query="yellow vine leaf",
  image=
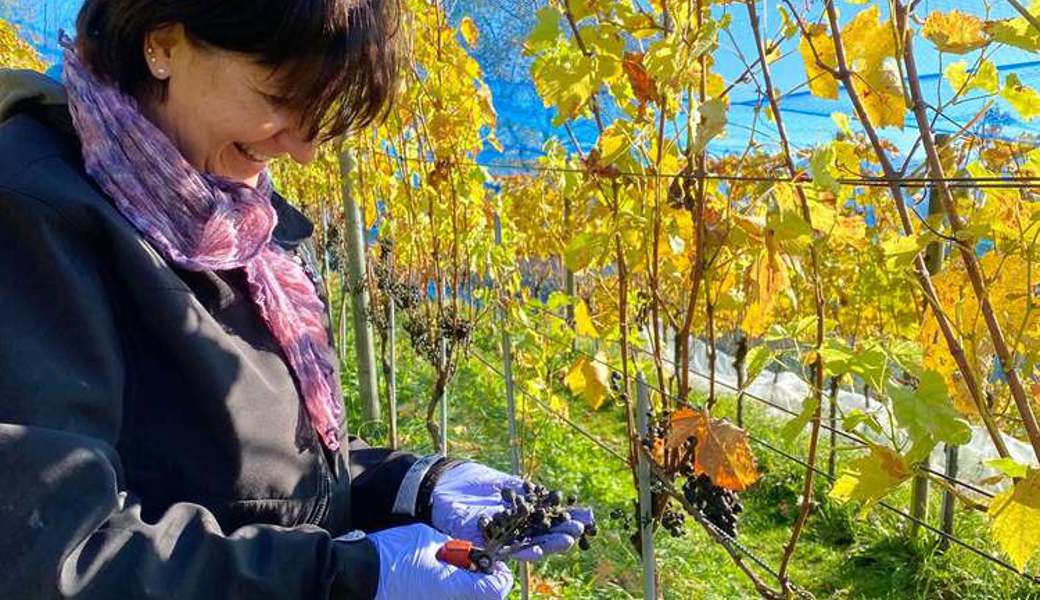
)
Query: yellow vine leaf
[
  {"x": 821, "y": 83},
  {"x": 590, "y": 379},
  {"x": 712, "y": 122},
  {"x": 871, "y": 51},
  {"x": 1021, "y": 97},
  {"x": 469, "y": 31},
  {"x": 768, "y": 276},
  {"x": 583, "y": 324},
  {"x": 1009, "y": 278},
  {"x": 1015, "y": 518},
  {"x": 870, "y": 478},
  {"x": 955, "y": 32},
  {"x": 722, "y": 450},
  {"x": 1015, "y": 32},
  {"x": 882, "y": 95},
  {"x": 566, "y": 78},
  {"x": 984, "y": 78},
  {"x": 869, "y": 39},
  {"x": 15, "y": 53}
]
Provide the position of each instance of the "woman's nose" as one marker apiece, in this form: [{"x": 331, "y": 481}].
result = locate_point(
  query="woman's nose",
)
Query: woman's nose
[{"x": 298, "y": 145}]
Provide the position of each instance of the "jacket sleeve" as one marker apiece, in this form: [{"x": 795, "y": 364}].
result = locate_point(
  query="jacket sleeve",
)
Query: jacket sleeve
[
  {"x": 390, "y": 488},
  {"x": 68, "y": 528}
]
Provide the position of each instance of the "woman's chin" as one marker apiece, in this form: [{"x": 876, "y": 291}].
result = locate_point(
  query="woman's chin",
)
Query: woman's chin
[
  {"x": 248, "y": 175},
  {"x": 236, "y": 167}
]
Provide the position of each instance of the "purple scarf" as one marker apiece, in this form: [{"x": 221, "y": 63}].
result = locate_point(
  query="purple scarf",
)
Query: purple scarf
[{"x": 201, "y": 222}]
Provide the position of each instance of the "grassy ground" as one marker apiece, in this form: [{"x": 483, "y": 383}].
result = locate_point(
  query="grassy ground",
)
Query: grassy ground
[{"x": 841, "y": 555}]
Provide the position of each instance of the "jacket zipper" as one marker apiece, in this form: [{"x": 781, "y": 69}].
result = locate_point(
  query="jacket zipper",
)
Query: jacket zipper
[{"x": 324, "y": 493}]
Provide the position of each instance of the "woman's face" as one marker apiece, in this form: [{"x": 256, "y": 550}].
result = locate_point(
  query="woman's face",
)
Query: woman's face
[{"x": 221, "y": 109}]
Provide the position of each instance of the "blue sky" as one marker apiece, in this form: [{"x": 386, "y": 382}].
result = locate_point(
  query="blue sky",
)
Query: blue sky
[{"x": 525, "y": 122}]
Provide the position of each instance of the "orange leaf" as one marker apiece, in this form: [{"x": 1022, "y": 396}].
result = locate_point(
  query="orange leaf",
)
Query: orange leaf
[
  {"x": 684, "y": 424},
  {"x": 722, "y": 451},
  {"x": 642, "y": 84}
]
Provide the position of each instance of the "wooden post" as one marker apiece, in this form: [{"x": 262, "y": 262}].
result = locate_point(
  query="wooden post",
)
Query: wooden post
[
  {"x": 740, "y": 364},
  {"x": 366, "y": 353},
  {"x": 568, "y": 275},
  {"x": 646, "y": 521},
  {"x": 391, "y": 374},
  {"x": 514, "y": 440},
  {"x": 444, "y": 397},
  {"x": 949, "y": 501},
  {"x": 934, "y": 255},
  {"x": 832, "y": 418}
]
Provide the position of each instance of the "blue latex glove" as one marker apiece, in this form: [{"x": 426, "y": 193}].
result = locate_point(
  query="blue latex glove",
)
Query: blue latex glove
[
  {"x": 468, "y": 490},
  {"x": 409, "y": 569}
]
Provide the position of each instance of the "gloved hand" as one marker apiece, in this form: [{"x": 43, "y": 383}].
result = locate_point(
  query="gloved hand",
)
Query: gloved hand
[
  {"x": 409, "y": 569},
  {"x": 469, "y": 490}
]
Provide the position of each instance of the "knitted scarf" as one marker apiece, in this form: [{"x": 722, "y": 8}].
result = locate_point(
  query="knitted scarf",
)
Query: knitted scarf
[{"x": 202, "y": 222}]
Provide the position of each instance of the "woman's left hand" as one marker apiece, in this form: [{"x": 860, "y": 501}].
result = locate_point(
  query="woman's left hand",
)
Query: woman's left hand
[{"x": 466, "y": 492}]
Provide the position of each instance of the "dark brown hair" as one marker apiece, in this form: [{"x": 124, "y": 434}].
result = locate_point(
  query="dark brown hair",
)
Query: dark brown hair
[{"x": 335, "y": 60}]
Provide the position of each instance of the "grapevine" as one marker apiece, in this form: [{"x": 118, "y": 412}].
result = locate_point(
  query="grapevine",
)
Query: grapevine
[{"x": 632, "y": 244}]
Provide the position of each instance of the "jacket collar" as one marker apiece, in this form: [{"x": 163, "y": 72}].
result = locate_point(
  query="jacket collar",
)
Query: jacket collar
[
  {"x": 293, "y": 226},
  {"x": 23, "y": 91}
]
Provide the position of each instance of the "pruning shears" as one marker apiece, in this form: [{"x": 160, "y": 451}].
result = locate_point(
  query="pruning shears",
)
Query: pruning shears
[{"x": 466, "y": 555}]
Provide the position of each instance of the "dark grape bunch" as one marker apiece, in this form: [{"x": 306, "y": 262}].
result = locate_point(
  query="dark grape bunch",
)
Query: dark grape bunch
[
  {"x": 659, "y": 427},
  {"x": 719, "y": 505},
  {"x": 674, "y": 522},
  {"x": 622, "y": 517},
  {"x": 425, "y": 332},
  {"x": 527, "y": 515},
  {"x": 405, "y": 296}
]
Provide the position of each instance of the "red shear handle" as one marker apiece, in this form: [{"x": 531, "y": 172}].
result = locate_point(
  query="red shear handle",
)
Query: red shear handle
[{"x": 458, "y": 553}]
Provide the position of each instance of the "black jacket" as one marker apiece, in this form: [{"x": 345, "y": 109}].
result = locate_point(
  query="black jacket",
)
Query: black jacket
[{"x": 152, "y": 439}]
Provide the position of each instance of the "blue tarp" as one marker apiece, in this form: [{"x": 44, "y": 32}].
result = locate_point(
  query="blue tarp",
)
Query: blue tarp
[{"x": 525, "y": 123}]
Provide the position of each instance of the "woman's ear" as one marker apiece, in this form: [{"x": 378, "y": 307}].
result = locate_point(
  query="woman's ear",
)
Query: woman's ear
[{"x": 161, "y": 47}]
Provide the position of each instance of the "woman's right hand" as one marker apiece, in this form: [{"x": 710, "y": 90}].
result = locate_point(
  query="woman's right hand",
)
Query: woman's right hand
[{"x": 409, "y": 569}]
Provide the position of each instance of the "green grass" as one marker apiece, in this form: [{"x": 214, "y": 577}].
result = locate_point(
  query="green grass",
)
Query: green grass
[{"x": 841, "y": 555}]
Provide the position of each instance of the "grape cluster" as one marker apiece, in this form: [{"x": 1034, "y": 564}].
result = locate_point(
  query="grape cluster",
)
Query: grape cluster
[
  {"x": 622, "y": 517},
  {"x": 455, "y": 329},
  {"x": 527, "y": 515},
  {"x": 719, "y": 505},
  {"x": 658, "y": 428},
  {"x": 404, "y": 295},
  {"x": 425, "y": 341},
  {"x": 425, "y": 332},
  {"x": 674, "y": 522}
]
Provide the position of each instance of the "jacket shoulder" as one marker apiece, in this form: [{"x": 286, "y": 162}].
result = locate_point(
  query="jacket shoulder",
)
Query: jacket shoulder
[{"x": 39, "y": 163}]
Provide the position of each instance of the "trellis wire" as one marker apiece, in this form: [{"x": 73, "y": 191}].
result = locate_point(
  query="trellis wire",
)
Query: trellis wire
[
  {"x": 860, "y": 442},
  {"x": 949, "y": 537},
  {"x": 906, "y": 182},
  {"x": 732, "y": 542},
  {"x": 578, "y": 428},
  {"x": 946, "y": 536}
]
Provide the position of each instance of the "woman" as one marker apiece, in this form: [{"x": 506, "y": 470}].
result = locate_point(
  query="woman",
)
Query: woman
[{"x": 170, "y": 413}]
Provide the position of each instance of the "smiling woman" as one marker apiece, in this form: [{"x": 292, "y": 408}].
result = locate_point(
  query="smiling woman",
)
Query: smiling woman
[
  {"x": 171, "y": 417},
  {"x": 251, "y": 81}
]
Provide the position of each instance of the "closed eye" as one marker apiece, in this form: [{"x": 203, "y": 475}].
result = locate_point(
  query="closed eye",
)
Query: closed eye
[
  {"x": 277, "y": 101},
  {"x": 272, "y": 99}
]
